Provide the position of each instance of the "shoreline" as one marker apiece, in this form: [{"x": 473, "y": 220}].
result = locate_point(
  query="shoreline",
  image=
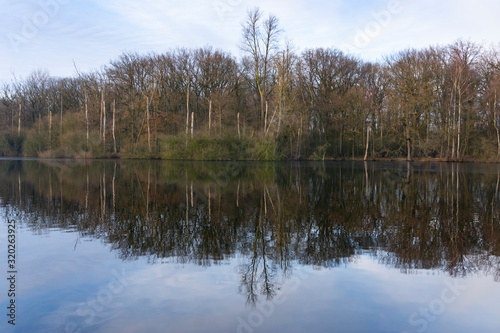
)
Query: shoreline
[{"x": 378, "y": 159}]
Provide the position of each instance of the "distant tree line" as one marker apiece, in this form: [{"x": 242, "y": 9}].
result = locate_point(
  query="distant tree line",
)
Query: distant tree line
[{"x": 273, "y": 103}]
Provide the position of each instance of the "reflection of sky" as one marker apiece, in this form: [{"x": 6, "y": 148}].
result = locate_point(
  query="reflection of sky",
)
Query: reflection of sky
[{"x": 56, "y": 278}]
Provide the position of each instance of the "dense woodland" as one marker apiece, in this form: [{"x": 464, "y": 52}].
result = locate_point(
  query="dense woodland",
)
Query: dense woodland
[{"x": 272, "y": 103}]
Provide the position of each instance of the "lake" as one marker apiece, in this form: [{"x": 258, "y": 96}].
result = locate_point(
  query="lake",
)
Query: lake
[{"x": 157, "y": 246}]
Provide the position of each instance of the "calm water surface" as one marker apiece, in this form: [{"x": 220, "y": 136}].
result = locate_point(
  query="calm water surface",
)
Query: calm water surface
[{"x": 137, "y": 246}]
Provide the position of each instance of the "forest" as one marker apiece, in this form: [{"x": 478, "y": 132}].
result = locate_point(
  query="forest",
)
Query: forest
[{"x": 272, "y": 103}]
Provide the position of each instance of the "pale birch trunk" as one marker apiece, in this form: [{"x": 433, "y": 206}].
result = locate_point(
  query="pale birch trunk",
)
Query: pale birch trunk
[
  {"x": 61, "y": 134},
  {"x": 113, "y": 128},
  {"x": 103, "y": 121},
  {"x": 192, "y": 123},
  {"x": 187, "y": 111},
  {"x": 87, "y": 118},
  {"x": 19, "y": 121},
  {"x": 495, "y": 123},
  {"x": 149, "y": 129},
  {"x": 209, "y": 115},
  {"x": 367, "y": 142},
  {"x": 238, "y": 118},
  {"x": 50, "y": 127},
  {"x": 265, "y": 118}
]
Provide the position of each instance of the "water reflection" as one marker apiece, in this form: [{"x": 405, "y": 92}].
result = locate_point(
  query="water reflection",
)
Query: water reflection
[{"x": 272, "y": 217}]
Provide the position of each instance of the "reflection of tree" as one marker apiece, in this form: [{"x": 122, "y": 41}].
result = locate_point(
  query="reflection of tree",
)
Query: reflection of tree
[{"x": 434, "y": 216}]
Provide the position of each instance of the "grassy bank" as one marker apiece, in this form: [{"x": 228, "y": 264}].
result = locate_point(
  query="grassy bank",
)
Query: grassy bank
[{"x": 225, "y": 147}]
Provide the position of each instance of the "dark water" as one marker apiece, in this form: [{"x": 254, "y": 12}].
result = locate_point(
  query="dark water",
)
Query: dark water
[{"x": 136, "y": 246}]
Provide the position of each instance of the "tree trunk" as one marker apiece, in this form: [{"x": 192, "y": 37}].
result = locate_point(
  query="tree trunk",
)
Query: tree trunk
[
  {"x": 495, "y": 123},
  {"x": 50, "y": 128},
  {"x": 114, "y": 137},
  {"x": 149, "y": 129},
  {"x": 209, "y": 115},
  {"x": 187, "y": 111},
  {"x": 341, "y": 140},
  {"x": 220, "y": 121},
  {"x": 367, "y": 142},
  {"x": 265, "y": 118},
  {"x": 408, "y": 143},
  {"x": 192, "y": 123},
  {"x": 103, "y": 122},
  {"x": 87, "y": 118},
  {"x": 101, "y": 115},
  {"x": 40, "y": 130},
  {"x": 238, "y": 117},
  {"x": 280, "y": 113},
  {"x": 459, "y": 124},
  {"x": 19, "y": 121}
]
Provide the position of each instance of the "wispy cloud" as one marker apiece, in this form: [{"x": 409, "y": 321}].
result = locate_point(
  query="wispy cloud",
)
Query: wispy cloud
[{"x": 92, "y": 32}]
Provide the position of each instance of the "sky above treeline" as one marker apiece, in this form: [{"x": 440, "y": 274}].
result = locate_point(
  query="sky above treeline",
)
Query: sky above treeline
[{"x": 55, "y": 34}]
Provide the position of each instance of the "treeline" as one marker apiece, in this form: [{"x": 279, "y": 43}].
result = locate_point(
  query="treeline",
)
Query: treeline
[{"x": 273, "y": 103}]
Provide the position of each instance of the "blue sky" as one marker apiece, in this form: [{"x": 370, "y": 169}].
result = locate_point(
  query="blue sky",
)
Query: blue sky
[{"x": 52, "y": 34}]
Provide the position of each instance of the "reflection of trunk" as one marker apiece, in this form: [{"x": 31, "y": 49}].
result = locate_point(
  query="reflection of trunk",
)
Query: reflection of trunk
[
  {"x": 61, "y": 198},
  {"x": 50, "y": 186},
  {"x": 265, "y": 203},
  {"x": 209, "y": 203},
  {"x": 87, "y": 194},
  {"x": 367, "y": 191},
  {"x": 20, "y": 193},
  {"x": 238, "y": 194},
  {"x": 192, "y": 196},
  {"x": 408, "y": 172},
  {"x": 147, "y": 195},
  {"x": 187, "y": 205},
  {"x": 103, "y": 213},
  {"x": 113, "y": 188}
]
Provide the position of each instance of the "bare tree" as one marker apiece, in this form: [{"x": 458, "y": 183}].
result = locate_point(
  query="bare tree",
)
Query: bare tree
[{"x": 260, "y": 42}]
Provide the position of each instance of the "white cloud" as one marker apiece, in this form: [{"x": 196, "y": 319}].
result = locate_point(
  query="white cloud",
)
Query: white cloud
[{"x": 93, "y": 32}]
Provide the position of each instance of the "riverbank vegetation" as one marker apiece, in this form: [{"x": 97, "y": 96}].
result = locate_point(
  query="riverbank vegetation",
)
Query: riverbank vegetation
[{"x": 273, "y": 103}]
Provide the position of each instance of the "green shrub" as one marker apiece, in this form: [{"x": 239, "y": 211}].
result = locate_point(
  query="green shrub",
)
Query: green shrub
[
  {"x": 217, "y": 148},
  {"x": 35, "y": 142},
  {"x": 320, "y": 152},
  {"x": 11, "y": 143},
  {"x": 4, "y": 146}
]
